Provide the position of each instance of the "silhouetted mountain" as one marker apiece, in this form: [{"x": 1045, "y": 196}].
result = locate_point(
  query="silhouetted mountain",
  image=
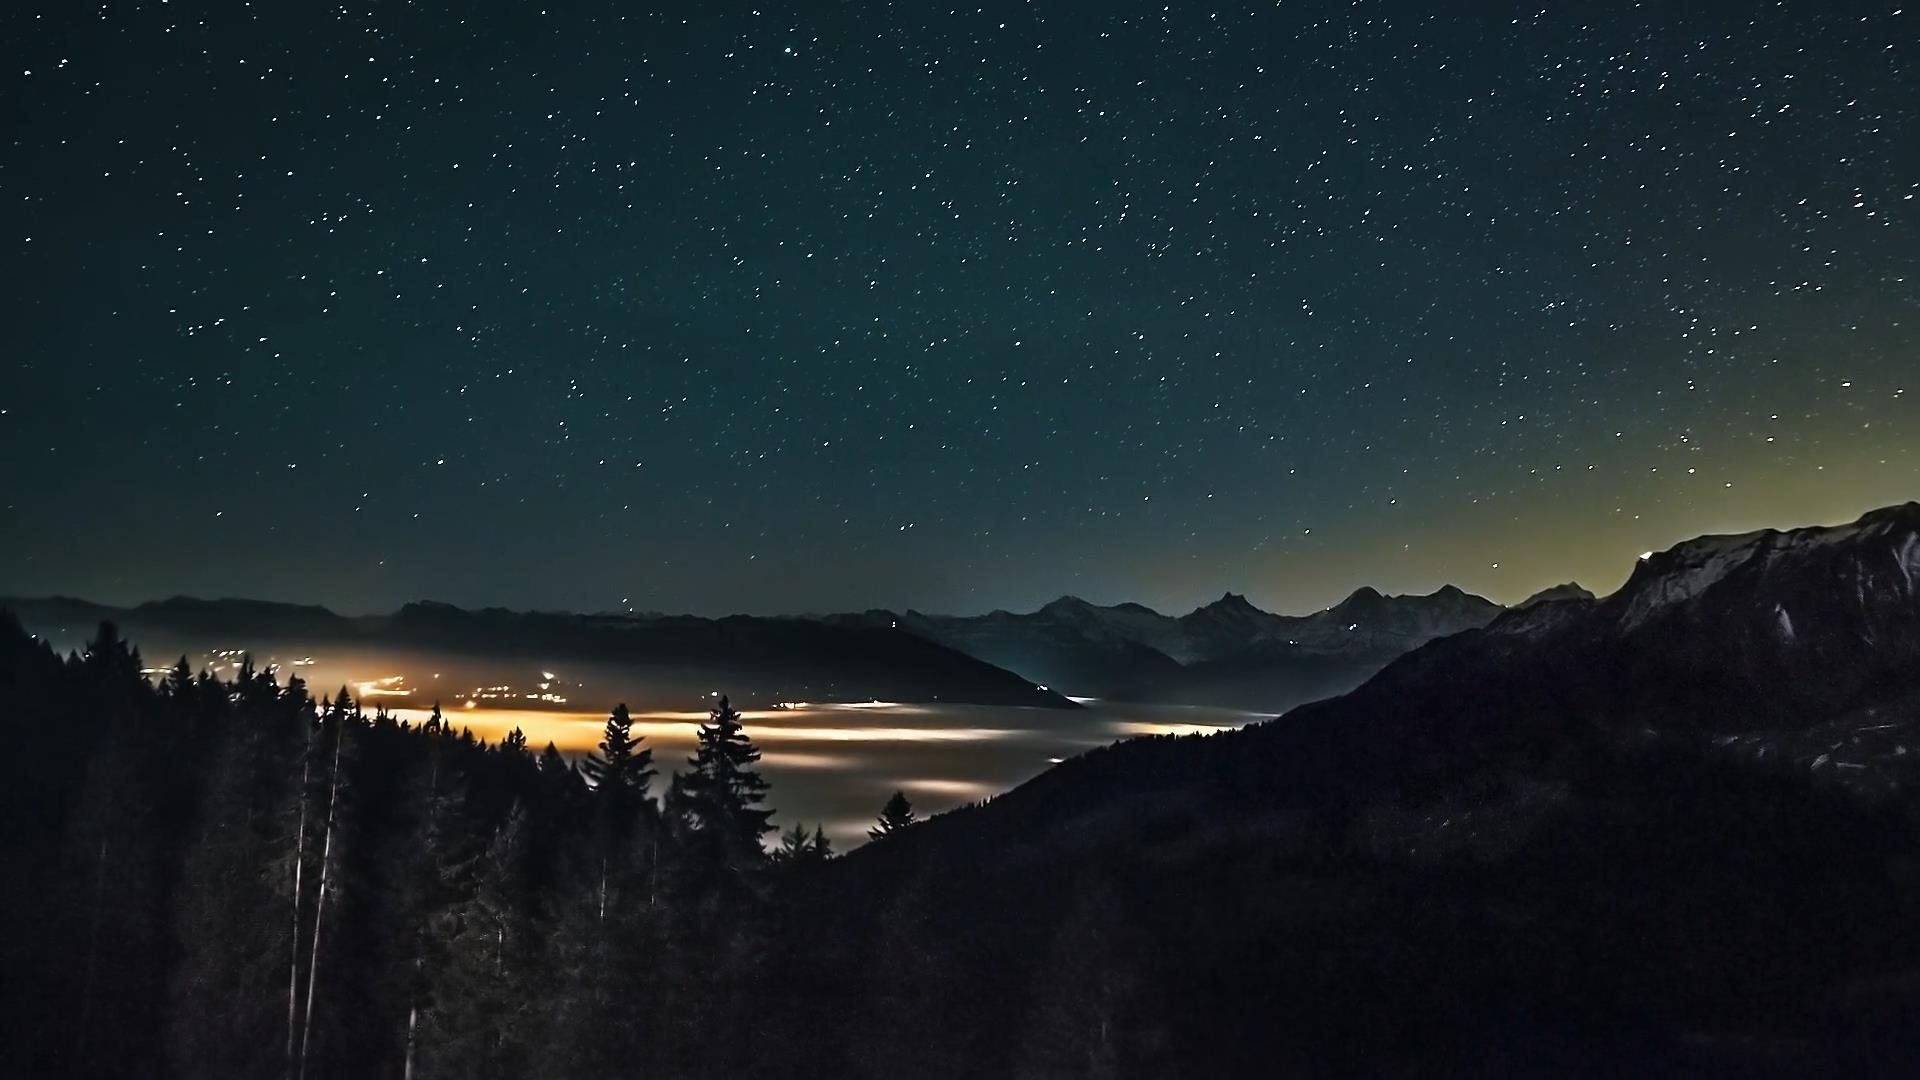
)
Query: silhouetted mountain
[
  {"x": 1669, "y": 829},
  {"x": 1765, "y": 631},
  {"x": 1069, "y": 645},
  {"x": 1225, "y": 626},
  {"x": 1294, "y": 660},
  {"x": 1227, "y": 653},
  {"x": 663, "y": 659},
  {"x": 1569, "y": 591},
  {"x": 229, "y": 615}
]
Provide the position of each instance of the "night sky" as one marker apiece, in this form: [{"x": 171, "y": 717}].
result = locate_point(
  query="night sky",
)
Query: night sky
[{"x": 829, "y": 306}]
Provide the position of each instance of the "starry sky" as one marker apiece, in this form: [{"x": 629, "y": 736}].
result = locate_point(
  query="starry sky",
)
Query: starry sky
[{"x": 828, "y": 306}]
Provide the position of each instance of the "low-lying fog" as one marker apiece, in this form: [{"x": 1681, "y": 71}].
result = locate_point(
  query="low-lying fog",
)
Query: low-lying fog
[
  {"x": 836, "y": 764},
  {"x": 832, "y": 760}
]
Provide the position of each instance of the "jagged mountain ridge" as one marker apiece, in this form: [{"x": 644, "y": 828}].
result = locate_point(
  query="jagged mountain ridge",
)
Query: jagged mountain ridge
[
  {"x": 1228, "y": 652},
  {"x": 1771, "y": 628}
]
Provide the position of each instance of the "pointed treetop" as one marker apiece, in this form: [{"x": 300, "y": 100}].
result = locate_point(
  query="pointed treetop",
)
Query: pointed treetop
[
  {"x": 621, "y": 763},
  {"x": 722, "y": 790},
  {"x": 180, "y": 679},
  {"x": 896, "y": 816}
]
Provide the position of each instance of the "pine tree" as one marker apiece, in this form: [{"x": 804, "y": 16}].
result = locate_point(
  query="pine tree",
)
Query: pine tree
[
  {"x": 622, "y": 769},
  {"x": 560, "y": 784},
  {"x": 114, "y": 665},
  {"x": 180, "y": 682},
  {"x": 894, "y": 817},
  {"x": 619, "y": 773},
  {"x": 795, "y": 845},
  {"x": 723, "y": 791}
]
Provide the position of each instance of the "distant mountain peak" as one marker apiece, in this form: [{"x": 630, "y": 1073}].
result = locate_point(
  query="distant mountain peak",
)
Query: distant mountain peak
[
  {"x": 428, "y": 609},
  {"x": 1571, "y": 590},
  {"x": 1368, "y": 598},
  {"x": 1232, "y": 601},
  {"x": 1068, "y": 604}
]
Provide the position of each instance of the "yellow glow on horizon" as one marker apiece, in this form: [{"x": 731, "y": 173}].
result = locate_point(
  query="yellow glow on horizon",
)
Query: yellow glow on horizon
[
  {"x": 799, "y": 759},
  {"x": 583, "y": 730},
  {"x": 959, "y": 789},
  {"x": 1131, "y": 728},
  {"x": 388, "y": 686}
]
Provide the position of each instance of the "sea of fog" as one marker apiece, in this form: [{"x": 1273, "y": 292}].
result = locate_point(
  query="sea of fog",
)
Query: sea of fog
[
  {"x": 836, "y": 764},
  {"x": 829, "y": 764}
]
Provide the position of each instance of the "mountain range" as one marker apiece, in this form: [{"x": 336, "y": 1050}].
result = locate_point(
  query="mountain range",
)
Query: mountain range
[{"x": 1227, "y": 653}]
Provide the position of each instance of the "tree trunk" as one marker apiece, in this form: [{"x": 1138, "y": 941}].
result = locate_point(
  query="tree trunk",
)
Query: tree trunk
[
  {"x": 326, "y": 878},
  {"x": 299, "y": 863},
  {"x": 413, "y": 1019}
]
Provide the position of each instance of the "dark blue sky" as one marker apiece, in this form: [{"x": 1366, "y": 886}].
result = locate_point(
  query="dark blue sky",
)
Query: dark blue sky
[{"x": 837, "y": 305}]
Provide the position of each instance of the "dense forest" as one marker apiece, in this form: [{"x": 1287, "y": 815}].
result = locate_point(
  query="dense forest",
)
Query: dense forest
[{"x": 234, "y": 878}]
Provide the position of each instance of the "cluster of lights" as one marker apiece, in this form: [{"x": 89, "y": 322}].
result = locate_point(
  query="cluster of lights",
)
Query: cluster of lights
[
  {"x": 218, "y": 660},
  {"x": 544, "y": 691}
]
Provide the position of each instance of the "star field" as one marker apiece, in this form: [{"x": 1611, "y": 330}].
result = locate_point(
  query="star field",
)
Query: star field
[{"x": 830, "y": 306}]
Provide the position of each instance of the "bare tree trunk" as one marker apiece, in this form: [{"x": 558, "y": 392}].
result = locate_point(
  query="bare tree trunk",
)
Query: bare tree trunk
[
  {"x": 299, "y": 864},
  {"x": 326, "y": 878},
  {"x": 413, "y": 1019}
]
